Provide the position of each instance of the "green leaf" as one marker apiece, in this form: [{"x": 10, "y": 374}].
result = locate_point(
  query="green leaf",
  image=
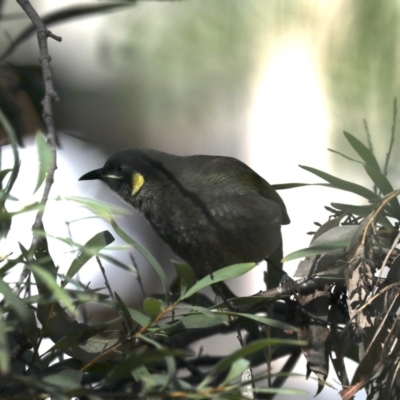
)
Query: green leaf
[
  {"x": 362, "y": 211},
  {"x": 153, "y": 307},
  {"x": 344, "y": 155},
  {"x": 100, "y": 209},
  {"x": 77, "y": 335},
  {"x": 126, "y": 267},
  {"x": 142, "y": 356},
  {"x": 283, "y": 186},
  {"x": 222, "y": 274},
  {"x": 281, "y": 391},
  {"x": 383, "y": 184},
  {"x": 186, "y": 276},
  {"x": 48, "y": 280},
  {"x": 200, "y": 320},
  {"x": 4, "y": 356},
  {"x": 342, "y": 184},
  {"x": 66, "y": 380},
  {"x": 146, "y": 254},
  {"x": 12, "y": 137},
  {"x": 363, "y": 151},
  {"x": 314, "y": 250},
  {"x": 246, "y": 302},
  {"x": 171, "y": 372},
  {"x": 5, "y": 222},
  {"x": 3, "y": 174},
  {"x": 25, "y": 315},
  {"x": 253, "y": 347},
  {"x": 140, "y": 318},
  {"x": 125, "y": 312},
  {"x": 90, "y": 249},
  {"x": 154, "y": 382},
  {"x": 380, "y": 180},
  {"x": 262, "y": 320},
  {"x": 46, "y": 158},
  {"x": 236, "y": 370},
  {"x": 140, "y": 373},
  {"x": 30, "y": 207},
  {"x": 169, "y": 360}
]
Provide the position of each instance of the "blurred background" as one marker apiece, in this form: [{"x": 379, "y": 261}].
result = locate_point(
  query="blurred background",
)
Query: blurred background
[{"x": 274, "y": 83}]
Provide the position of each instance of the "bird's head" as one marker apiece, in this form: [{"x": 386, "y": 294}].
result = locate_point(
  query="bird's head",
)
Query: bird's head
[{"x": 127, "y": 173}]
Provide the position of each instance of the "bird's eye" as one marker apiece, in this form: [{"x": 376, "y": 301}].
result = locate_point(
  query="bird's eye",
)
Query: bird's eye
[{"x": 120, "y": 168}]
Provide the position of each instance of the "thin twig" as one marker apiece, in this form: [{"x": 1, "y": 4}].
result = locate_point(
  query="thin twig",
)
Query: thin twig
[
  {"x": 50, "y": 95},
  {"x": 369, "y": 141},
  {"x": 385, "y": 169},
  {"x": 107, "y": 283},
  {"x": 103, "y": 271},
  {"x": 138, "y": 276}
]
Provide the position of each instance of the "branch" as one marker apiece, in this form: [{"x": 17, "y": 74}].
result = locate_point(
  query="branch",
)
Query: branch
[{"x": 50, "y": 95}]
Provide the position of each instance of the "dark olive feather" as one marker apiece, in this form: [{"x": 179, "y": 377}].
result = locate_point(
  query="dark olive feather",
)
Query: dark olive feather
[{"x": 212, "y": 211}]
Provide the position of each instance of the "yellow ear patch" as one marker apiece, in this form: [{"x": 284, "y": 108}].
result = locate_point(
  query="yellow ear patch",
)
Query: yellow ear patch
[{"x": 137, "y": 183}]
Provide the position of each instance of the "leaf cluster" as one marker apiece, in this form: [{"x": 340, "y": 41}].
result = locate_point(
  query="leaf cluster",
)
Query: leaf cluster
[
  {"x": 342, "y": 275},
  {"x": 141, "y": 353}
]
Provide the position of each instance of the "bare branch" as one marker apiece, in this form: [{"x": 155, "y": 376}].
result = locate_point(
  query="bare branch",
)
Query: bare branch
[{"x": 50, "y": 95}]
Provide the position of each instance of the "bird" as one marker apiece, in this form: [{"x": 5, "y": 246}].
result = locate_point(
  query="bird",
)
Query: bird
[{"x": 212, "y": 211}]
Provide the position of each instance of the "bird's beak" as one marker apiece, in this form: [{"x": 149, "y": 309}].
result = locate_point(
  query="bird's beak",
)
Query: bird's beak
[{"x": 95, "y": 174}]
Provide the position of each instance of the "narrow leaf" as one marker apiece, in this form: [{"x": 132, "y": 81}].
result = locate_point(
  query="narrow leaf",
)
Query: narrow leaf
[
  {"x": 344, "y": 156},
  {"x": 380, "y": 180},
  {"x": 139, "y": 317},
  {"x": 140, "y": 373},
  {"x": 253, "y": 347},
  {"x": 383, "y": 184},
  {"x": 222, "y": 274},
  {"x": 125, "y": 312},
  {"x": 236, "y": 370},
  {"x": 281, "y": 391},
  {"x": 129, "y": 268},
  {"x": 362, "y": 211},
  {"x": 4, "y": 348},
  {"x": 48, "y": 279},
  {"x": 314, "y": 250},
  {"x": 66, "y": 380},
  {"x": 90, "y": 249},
  {"x": 146, "y": 254},
  {"x": 283, "y": 186},
  {"x": 363, "y": 151},
  {"x": 75, "y": 337},
  {"x": 169, "y": 360},
  {"x": 3, "y": 174},
  {"x": 152, "y": 307},
  {"x": 12, "y": 138},
  {"x": 194, "y": 321},
  {"x": 342, "y": 184},
  {"x": 46, "y": 158},
  {"x": 142, "y": 356},
  {"x": 25, "y": 315},
  {"x": 99, "y": 208},
  {"x": 30, "y": 207},
  {"x": 186, "y": 276},
  {"x": 262, "y": 320}
]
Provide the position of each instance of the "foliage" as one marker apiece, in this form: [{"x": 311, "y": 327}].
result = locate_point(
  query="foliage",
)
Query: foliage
[
  {"x": 146, "y": 356},
  {"x": 341, "y": 305},
  {"x": 353, "y": 300}
]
